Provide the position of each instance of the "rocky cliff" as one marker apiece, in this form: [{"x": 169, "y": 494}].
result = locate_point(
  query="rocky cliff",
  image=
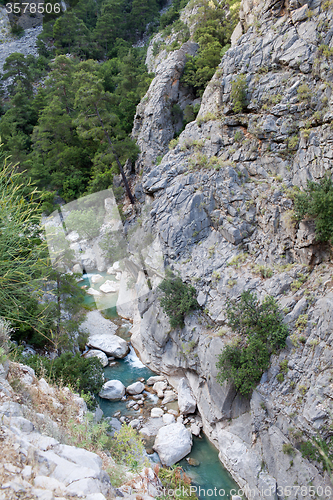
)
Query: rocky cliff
[{"x": 220, "y": 203}]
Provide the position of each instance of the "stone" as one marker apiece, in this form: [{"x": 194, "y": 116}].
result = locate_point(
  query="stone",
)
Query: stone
[
  {"x": 135, "y": 388},
  {"x": 95, "y": 353},
  {"x": 113, "y": 390},
  {"x": 169, "y": 396},
  {"x": 168, "y": 419},
  {"x": 173, "y": 442},
  {"x": 186, "y": 401},
  {"x": 135, "y": 423},
  {"x": 156, "y": 412},
  {"x": 154, "y": 379},
  {"x": 77, "y": 269},
  {"x": 193, "y": 462},
  {"x": 159, "y": 388},
  {"x": 109, "y": 287},
  {"x": 96, "y": 278},
  {"x": 111, "y": 345},
  {"x": 92, "y": 291},
  {"x": 195, "y": 429},
  {"x": 95, "y": 324},
  {"x": 49, "y": 483}
]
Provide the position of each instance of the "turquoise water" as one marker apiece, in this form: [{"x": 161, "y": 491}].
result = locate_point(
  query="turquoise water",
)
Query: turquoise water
[
  {"x": 108, "y": 302},
  {"x": 210, "y": 473}
]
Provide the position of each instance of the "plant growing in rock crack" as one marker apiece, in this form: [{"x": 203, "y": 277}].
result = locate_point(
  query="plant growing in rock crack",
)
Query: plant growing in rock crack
[
  {"x": 316, "y": 202},
  {"x": 261, "y": 332},
  {"x": 178, "y": 299},
  {"x": 238, "y": 93}
]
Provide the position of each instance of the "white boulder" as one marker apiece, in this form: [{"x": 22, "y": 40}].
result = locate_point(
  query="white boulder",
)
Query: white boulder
[
  {"x": 173, "y": 442},
  {"x": 96, "y": 278},
  {"x": 112, "y": 345},
  {"x": 154, "y": 379},
  {"x": 136, "y": 388},
  {"x": 113, "y": 389},
  {"x": 168, "y": 419},
  {"x": 156, "y": 412},
  {"x": 92, "y": 291},
  {"x": 95, "y": 353},
  {"x": 186, "y": 401},
  {"x": 109, "y": 287}
]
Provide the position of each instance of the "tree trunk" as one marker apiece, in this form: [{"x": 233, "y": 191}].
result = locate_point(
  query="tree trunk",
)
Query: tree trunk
[{"x": 128, "y": 190}]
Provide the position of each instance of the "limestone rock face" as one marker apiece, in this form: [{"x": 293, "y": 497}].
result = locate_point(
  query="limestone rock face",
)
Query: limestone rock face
[
  {"x": 186, "y": 400},
  {"x": 221, "y": 204},
  {"x": 173, "y": 442},
  {"x": 153, "y": 126},
  {"x": 113, "y": 389}
]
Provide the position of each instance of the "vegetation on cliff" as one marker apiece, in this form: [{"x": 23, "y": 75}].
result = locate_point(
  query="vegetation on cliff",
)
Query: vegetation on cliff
[{"x": 261, "y": 332}]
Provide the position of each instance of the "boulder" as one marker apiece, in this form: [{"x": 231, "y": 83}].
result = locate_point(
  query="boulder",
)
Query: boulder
[
  {"x": 173, "y": 442},
  {"x": 95, "y": 353},
  {"x": 113, "y": 389},
  {"x": 186, "y": 401},
  {"x": 168, "y": 419},
  {"x": 154, "y": 379},
  {"x": 96, "y": 324},
  {"x": 135, "y": 388},
  {"x": 109, "y": 287},
  {"x": 169, "y": 396},
  {"x": 156, "y": 412},
  {"x": 92, "y": 291},
  {"x": 97, "y": 278},
  {"x": 111, "y": 345},
  {"x": 159, "y": 387}
]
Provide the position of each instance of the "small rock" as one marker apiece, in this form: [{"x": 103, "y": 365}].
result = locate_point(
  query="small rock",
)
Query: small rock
[
  {"x": 135, "y": 388},
  {"x": 135, "y": 423},
  {"x": 156, "y": 412},
  {"x": 154, "y": 379},
  {"x": 168, "y": 419},
  {"x": 193, "y": 462}
]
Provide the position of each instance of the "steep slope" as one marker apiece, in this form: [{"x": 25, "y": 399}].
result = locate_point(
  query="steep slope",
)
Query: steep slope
[{"x": 220, "y": 202}]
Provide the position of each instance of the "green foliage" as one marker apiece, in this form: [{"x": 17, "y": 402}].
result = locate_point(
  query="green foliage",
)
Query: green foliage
[
  {"x": 17, "y": 69},
  {"x": 261, "y": 332},
  {"x": 83, "y": 374},
  {"x": 288, "y": 449},
  {"x": 175, "y": 480},
  {"x": 213, "y": 32},
  {"x": 319, "y": 450},
  {"x": 316, "y": 202},
  {"x": 179, "y": 299},
  {"x": 128, "y": 448},
  {"x": 238, "y": 93}
]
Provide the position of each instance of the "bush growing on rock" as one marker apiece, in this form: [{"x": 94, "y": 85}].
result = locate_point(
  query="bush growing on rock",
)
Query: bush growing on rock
[
  {"x": 83, "y": 374},
  {"x": 238, "y": 93},
  {"x": 317, "y": 202},
  {"x": 179, "y": 298},
  {"x": 261, "y": 332}
]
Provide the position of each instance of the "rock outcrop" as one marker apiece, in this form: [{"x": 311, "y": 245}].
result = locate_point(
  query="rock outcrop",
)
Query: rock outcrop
[
  {"x": 173, "y": 442},
  {"x": 221, "y": 203}
]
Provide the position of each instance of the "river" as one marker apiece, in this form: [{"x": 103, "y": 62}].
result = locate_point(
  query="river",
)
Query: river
[{"x": 210, "y": 473}]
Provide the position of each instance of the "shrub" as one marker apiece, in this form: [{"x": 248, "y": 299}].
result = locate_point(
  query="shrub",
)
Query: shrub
[
  {"x": 179, "y": 298},
  {"x": 238, "y": 93},
  {"x": 265, "y": 271},
  {"x": 288, "y": 449},
  {"x": 319, "y": 450},
  {"x": 175, "y": 480},
  {"x": 262, "y": 331},
  {"x": 317, "y": 202},
  {"x": 280, "y": 377},
  {"x": 83, "y": 374}
]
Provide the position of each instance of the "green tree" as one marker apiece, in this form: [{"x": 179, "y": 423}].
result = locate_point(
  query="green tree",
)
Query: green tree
[
  {"x": 17, "y": 69},
  {"x": 178, "y": 299},
  {"x": 94, "y": 119},
  {"x": 238, "y": 93},
  {"x": 71, "y": 35},
  {"x": 316, "y": 202}
]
